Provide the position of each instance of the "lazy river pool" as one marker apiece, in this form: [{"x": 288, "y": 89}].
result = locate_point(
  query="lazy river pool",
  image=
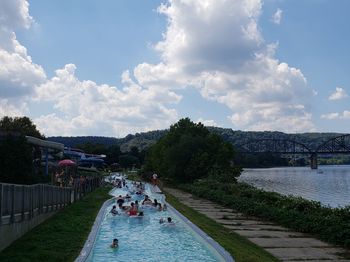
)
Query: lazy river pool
[{"x": 145, "y": 239}]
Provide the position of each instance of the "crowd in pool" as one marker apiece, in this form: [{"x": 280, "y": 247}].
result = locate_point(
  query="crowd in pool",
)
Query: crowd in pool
[{"x": 125, "y": 207}]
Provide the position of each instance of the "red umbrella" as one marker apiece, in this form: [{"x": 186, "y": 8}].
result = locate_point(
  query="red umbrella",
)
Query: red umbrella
[{"x": 66, "y": 162}]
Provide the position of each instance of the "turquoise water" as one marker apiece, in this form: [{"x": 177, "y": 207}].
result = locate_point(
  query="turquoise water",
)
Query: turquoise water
[{"x": 144, "y": 239}]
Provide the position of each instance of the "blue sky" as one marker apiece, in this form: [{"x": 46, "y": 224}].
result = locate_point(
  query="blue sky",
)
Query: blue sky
[{"x": 117, "y": 67}]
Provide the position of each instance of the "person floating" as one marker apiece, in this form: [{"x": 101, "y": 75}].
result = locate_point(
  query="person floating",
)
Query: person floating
[
  {"x": 114, "y": 243},
  {"x": 114, "y": 211},
  {"x": 120, "y": 199},
  {"x": 133, "y": 210}
]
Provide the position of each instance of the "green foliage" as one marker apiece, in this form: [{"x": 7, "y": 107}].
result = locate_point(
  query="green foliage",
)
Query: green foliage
[
  {"x": 113, "y": 153},
  {"x": 127, "y": 161},
  {"x": 189, "y": 152},
  {"x": 267, "y": 159},
  {"x": 332, "y": 225},
  {"x": 22, "y": 125},
  {"x": 92, "y": 148},
  {"x": 16, "y": 160}
]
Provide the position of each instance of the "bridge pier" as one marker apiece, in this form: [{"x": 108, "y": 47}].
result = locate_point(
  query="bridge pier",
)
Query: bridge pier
[{"x": 313, "y": 161}]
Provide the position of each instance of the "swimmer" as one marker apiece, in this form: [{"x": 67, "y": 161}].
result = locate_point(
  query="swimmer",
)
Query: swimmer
[
  {"x": 159, "y": 207},
  {"x": 165, "y": 207},
  {"x": 114, "y": 243},
  {"x": 133, "y": 210},
  {"x": 127, "y": 197},
  {"x": 170, "y": 222},
  {"x": 121, "y": 207},
  {"x": 120, "y": 199},
  {"x": 114, "y": 211},
  {"x": 155, "y": 203}
]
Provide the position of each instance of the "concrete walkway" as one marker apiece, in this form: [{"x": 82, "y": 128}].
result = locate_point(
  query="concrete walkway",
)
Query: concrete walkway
[{"x": 284, "y": 244}]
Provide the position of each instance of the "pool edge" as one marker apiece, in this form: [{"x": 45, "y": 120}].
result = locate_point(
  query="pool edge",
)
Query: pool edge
[
  {"x": 90, "y": 241},
  {"x": 210, "y": 241}
]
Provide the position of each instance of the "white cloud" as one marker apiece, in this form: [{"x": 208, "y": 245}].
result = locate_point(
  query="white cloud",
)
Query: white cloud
[
  {"x": 87, "y": 108},
  {"x": 207, "y": 122},
  {"x": 277, "y": 16},
  {"x": 15, "y": 14},
  {"x": 217, "y": 47},
  {"x": 339, "y": 93},
  {"x": 18, "y": 74},
  {"x": 11, "y": 108},
  {"x": 332, "y": 116}
]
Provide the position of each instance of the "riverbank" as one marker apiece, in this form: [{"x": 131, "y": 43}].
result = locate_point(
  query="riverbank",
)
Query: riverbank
[
  {"x": 61, "y": 237},
  {"x": 284, "y": 244},
  {"x": 330, "y": 225}
]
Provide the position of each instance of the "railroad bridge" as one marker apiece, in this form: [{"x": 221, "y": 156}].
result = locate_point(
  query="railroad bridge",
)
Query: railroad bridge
[{"x": 336, "y": 145}]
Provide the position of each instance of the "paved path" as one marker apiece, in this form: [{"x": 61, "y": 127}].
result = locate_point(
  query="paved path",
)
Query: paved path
[{"x": 284, "y": 244}]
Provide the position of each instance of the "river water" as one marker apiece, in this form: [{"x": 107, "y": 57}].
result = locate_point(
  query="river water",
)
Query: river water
[{"x": 328, "y": 184}]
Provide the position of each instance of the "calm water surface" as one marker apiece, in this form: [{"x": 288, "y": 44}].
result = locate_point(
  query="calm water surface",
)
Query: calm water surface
[{"x": 329, "y": 184}]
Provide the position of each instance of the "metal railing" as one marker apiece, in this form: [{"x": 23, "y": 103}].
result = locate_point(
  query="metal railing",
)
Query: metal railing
[{"x": 23, "y": 202}]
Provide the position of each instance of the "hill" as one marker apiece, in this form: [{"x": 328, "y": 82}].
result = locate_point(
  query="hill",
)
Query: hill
[{"x": 146, "y": 139}]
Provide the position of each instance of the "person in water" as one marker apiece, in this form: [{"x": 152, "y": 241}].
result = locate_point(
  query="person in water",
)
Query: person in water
[
  {"x": 114, "y": 211},
  {"x": 159, "y": 207},
  {"x": 121, "y": 207},
  {"x": 155, "y": 202},
  {"x": 114, "y": 243},
  {"x": 147, "y": 201},
  {"x": 133, "y": 210},
  {"x": 127, "y": 197},
  {"x": 120, "y": 199}
]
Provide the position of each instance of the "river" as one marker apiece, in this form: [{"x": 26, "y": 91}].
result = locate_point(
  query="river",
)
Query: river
[{"x": 328, "y": 184}]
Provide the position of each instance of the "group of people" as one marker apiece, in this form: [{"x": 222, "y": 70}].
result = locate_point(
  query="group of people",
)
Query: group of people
[
  {"x": 154, "y": 203},
  {"x": 134, "y": 209}
]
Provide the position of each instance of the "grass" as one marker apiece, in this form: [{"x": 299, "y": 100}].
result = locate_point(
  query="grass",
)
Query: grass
[
  {"x": 61, "y": 237},
  {"x": 239, "y": 247}
]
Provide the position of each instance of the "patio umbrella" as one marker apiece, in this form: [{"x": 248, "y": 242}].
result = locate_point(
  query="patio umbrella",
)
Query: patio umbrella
[{"x": 67, "y": 162}]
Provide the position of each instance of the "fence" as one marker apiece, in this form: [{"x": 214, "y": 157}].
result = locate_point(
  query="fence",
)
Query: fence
[{"x": 23, "y": 202}]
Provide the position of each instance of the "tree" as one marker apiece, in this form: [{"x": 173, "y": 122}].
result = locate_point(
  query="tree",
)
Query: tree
[
  {"x": 16, "y": 160},
  {"x": 127, "y": 161},
  {"x": 92, "y": 148},
  {"x": 22, "y": 125},
  {"x": 189, "y": 152},
  {"x": 113, "y": 154},
  {"x": 16, "y": 155}
]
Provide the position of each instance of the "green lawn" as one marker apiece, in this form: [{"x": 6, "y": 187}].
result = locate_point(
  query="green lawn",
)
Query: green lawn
[
  {"x": 61, "y": 237},
  {"x": 239, "y": 247}
]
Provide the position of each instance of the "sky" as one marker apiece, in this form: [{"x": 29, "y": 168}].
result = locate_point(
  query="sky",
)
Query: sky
[{"x": 113, "y": 67}]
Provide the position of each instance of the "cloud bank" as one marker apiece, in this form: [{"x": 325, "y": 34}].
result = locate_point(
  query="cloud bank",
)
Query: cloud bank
[{"x": 215, "y": 46}]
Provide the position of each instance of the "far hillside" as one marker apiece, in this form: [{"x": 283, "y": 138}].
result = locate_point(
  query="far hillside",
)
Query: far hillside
[{"x": 144, "y": 140}]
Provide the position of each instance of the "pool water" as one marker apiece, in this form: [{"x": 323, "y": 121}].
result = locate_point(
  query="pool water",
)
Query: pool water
[{"x": 145, "y": 239}]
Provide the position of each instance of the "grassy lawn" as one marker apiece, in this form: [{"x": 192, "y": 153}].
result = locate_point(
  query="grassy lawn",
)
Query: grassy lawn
[
  {"x": 61, "y": 237},
  {"x": 239, "y": 247}
]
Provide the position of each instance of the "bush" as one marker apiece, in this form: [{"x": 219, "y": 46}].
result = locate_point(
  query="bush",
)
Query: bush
[{"x": 332, "y": 225}]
